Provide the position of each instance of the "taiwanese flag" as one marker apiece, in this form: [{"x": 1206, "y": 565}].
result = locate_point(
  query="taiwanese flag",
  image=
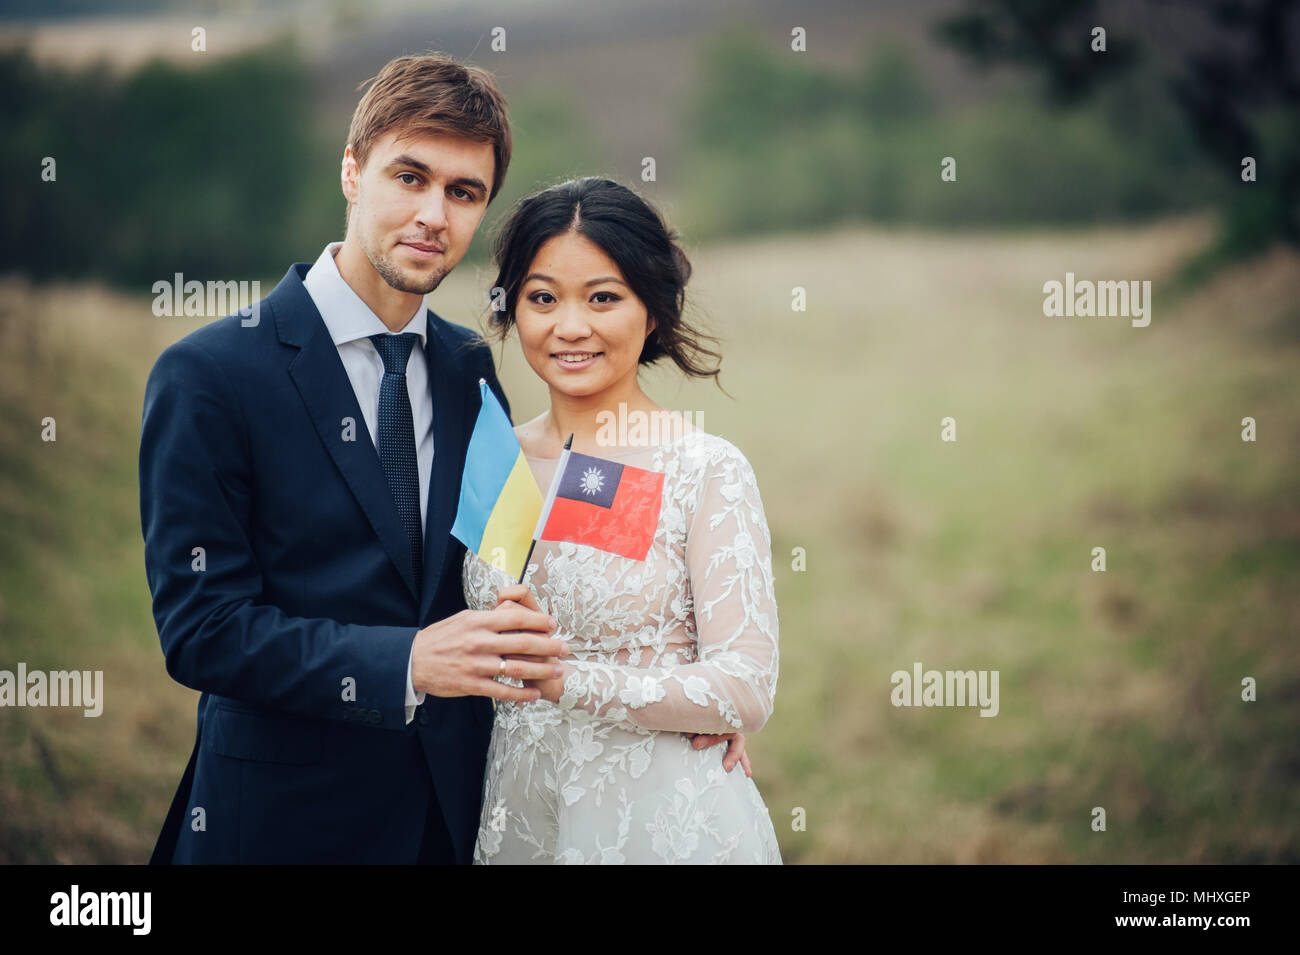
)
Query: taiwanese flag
[{"x": 610, "y": 506}]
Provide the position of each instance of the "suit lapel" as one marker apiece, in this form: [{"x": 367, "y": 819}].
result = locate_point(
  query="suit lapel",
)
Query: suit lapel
[
  {"x": 447, "y": 386},
  {"x": 323, "y": 383}
]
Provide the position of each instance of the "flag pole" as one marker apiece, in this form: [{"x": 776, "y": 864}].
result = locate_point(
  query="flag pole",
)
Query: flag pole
[{"x": 546, "y": 504}]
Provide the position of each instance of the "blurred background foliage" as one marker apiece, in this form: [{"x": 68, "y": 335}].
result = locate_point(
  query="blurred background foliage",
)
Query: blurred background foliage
[
  {"x": 211, "y": 171},
  {"x": 867, "y": 147},
  {"x": 223, "y": 170},
  {"x": 248, "y": 145}
]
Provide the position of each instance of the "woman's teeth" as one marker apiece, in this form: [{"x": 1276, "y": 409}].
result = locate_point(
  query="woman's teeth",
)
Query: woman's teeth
[{"x": 576, "y": 356}]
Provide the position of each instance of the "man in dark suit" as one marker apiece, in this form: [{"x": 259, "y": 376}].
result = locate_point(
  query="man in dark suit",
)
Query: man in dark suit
[{"x": 299, "y": 473}]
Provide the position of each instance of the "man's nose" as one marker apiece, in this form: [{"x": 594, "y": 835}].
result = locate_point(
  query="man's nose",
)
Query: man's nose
[{"x": 432, "y": 214}]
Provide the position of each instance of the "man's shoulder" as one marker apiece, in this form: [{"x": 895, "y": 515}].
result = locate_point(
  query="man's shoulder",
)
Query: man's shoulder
[
  {"x": 452, "y": 334},
  {"x": 245, "y": 336},
  {"x": 222, "y": 355},
  {"x": 222, "y": 350},
  {"x": 461, "y": 343}
]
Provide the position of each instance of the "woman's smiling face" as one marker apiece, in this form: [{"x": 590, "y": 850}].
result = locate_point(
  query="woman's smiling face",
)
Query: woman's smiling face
[{"x": 581, "y": 327}]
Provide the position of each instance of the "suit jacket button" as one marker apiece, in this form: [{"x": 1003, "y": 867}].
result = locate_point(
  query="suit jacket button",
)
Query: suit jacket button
[
  {"x": 423, "y": 717},
  {"x": 374, "y": 716}
]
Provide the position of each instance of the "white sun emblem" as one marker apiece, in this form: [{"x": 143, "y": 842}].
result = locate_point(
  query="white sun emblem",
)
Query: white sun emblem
[{"x": 592, "y": 481}]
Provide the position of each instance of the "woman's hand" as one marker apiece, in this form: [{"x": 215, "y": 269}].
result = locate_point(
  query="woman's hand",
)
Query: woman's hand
[
  {"x": 523, "y": 596},
  {"x": 735, "y": 748},
  {"x": 551, "y": 689},
  {"x": 520, "y": 594}
]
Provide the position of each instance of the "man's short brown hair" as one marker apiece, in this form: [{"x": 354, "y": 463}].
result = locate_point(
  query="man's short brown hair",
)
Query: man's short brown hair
[{"x": 433, "y": 93}]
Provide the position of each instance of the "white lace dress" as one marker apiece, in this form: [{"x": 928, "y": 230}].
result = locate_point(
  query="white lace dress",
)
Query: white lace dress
[{"x": 685, "y": 641}]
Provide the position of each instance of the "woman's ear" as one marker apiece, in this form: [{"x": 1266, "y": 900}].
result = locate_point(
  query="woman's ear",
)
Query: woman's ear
[{"x": 650, "y": 325}]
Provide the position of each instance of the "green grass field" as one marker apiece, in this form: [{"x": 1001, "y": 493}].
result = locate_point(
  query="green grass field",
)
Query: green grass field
[{"x": 1119, "y": 690}]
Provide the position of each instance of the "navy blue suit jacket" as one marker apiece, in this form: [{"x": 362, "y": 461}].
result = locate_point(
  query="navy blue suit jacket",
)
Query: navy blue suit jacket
[{"x": 304, "y": 587}]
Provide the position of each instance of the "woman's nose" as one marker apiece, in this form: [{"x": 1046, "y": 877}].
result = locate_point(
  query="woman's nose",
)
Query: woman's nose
[{"x": 572, "y": 323}]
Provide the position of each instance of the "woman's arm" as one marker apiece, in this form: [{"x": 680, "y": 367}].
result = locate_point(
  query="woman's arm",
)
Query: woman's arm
[{"x": 732, "y": 684}]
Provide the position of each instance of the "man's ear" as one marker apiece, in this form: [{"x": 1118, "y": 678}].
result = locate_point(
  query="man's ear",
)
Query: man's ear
[{"x": 349, "y": 175}]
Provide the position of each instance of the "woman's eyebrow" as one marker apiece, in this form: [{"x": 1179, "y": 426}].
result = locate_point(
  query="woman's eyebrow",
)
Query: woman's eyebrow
[{"x": 604, "y": 278}]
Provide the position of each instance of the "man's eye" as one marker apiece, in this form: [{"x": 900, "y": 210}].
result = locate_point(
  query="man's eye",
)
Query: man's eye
[
  {"x": 465, "y": 194},
  {"x": 408, "y": 178}
]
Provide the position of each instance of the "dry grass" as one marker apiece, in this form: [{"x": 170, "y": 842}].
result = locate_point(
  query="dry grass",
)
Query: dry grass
[{"x": 1119, "y": 690}]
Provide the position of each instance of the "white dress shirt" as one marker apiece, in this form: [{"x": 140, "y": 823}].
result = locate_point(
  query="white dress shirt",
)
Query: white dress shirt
[{"x": 351, "y": 323}]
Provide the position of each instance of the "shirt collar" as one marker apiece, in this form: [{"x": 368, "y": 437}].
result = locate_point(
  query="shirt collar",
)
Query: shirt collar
[{"x": 346, "y": 316}]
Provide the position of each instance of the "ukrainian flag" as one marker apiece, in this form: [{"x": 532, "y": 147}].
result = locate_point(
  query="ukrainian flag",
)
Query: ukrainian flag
[{"x": 499, "y": 498}]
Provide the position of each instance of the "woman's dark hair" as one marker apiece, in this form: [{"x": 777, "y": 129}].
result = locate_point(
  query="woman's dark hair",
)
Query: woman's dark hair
[{"x": 634, "y": 236}]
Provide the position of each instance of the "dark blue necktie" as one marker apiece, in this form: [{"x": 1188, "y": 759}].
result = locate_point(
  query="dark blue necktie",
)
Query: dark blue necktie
[{"x": 397, "y": 440}]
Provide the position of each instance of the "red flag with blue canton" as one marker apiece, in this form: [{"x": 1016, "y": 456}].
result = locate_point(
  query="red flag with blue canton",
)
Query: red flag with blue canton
[{"x": 613, "y": 507}]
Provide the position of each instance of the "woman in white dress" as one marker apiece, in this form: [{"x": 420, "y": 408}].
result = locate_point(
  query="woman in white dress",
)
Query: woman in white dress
[{"x": 598, "y": 770}]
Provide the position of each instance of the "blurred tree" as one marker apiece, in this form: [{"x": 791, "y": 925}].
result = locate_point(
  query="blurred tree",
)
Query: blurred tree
[
  {"x": 211, "y": 170},
  {"x": 1229, "y": 66},
  {"x": 892, "y": 92},
  {"x": 780, "y": 142}
]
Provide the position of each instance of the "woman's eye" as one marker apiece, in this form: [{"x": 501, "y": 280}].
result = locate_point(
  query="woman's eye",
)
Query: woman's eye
[
  {"x": 538, "y": 296},
  {"x": 612, "y": 298}
]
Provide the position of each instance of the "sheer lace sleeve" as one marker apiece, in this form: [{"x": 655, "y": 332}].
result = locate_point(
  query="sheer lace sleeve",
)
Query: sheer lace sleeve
[{"x": 731, "y": 684}]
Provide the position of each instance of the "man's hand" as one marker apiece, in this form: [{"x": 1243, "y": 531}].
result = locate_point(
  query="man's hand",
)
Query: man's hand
[
  {"x": 462, "y": 655},
  {"x": 550, "y": 687},
  {"x": 735, "y": 750}
]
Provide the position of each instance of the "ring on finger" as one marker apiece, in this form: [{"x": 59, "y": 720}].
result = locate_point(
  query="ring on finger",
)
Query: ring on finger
[{"x": 502, "y": 670}]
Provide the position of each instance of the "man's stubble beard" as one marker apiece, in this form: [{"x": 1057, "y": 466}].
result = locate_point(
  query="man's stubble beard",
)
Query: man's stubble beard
[{"x": 396, "y": 278}]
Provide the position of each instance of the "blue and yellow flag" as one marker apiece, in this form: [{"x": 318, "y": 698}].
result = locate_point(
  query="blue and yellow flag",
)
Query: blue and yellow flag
[{"x": 499, "y": 498}]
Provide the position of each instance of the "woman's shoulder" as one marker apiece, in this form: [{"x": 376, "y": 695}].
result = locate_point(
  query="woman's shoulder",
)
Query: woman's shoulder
[
  {"x": 717, "y": 485},
  {"x": 702, "y": 455},
  {"x": 700, "y": 443}
]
